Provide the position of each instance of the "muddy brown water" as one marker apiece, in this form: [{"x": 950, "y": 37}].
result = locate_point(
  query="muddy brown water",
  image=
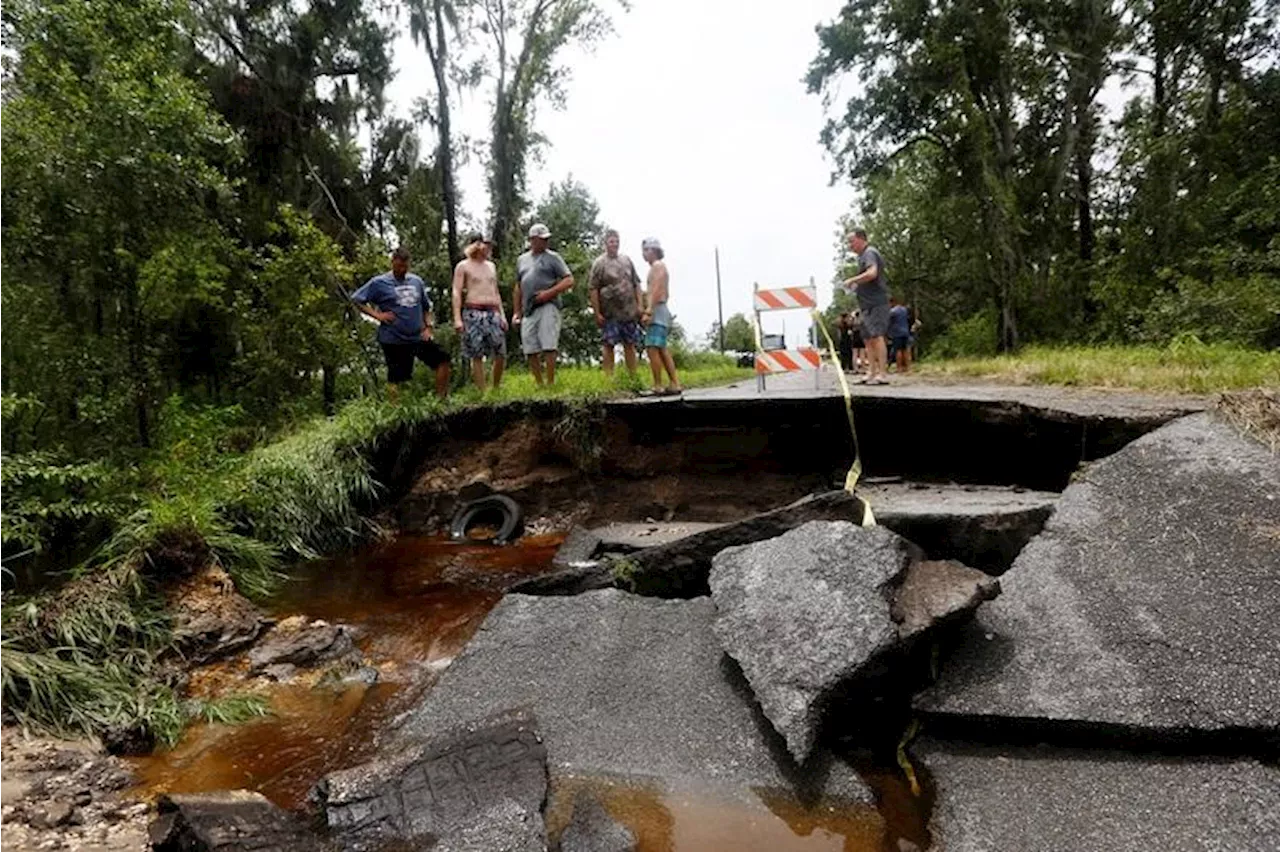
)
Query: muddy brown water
[{"x": 415, "y": 602}]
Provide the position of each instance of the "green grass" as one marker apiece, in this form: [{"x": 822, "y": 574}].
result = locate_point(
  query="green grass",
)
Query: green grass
[
  {"x": 88, "y": 658},
  {"x": 1184, "y": 366}
]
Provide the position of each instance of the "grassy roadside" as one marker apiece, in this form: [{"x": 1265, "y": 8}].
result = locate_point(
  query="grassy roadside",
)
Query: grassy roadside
[
  {"x": 1184, "y": 366},
  {"x": 90, "y": 657}
]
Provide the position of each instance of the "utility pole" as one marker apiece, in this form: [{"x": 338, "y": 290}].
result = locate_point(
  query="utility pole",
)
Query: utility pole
[{"x": 719, "y": 300}]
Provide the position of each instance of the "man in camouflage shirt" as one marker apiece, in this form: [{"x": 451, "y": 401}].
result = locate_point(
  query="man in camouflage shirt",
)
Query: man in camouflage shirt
[{"x": 618, "y": 303}]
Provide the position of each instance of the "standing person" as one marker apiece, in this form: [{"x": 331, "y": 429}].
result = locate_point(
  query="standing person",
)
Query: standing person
[
  {"x": 658, "y": 319},
  {"x": 859, "y": 348},
  {"x": 844, "y": 342},
  {"x": 478, "y": 315},
  {"x": 618, "y": 303},
  {"x": 900, "y": 335},
  {"x": 541, "y": 276},
  {"x": 872, "y": 288},
  {"x": 398, "y": 300}
]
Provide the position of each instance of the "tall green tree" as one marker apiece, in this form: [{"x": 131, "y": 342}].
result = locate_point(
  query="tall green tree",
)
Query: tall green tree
[
  {"x": 298, "y": 79},
  {"x": 528, "y": 38},
  {"x": 110, "y": 158}
]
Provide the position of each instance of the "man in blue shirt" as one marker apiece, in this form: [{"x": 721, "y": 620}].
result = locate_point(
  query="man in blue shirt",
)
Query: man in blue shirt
[{"x": 398, "y": 300}]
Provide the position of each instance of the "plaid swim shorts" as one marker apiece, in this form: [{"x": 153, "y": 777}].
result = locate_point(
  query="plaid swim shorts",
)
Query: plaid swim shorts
[{"x": 482, "y": 334}]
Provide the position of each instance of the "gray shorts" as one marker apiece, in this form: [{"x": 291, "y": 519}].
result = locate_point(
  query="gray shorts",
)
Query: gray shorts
[
  {"x": 875, "y": 321},
  {"x": 540, "y": 330}
]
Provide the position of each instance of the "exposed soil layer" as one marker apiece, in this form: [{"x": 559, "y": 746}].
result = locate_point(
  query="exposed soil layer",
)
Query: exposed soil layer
[{"x": 717, "y": 461}]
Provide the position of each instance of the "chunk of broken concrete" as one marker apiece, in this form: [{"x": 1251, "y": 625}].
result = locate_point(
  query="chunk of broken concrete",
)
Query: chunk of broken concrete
[
  {"x": 811, "y": 610},
  {"x": 577, "y": 549},
  {"x": 625, "y": 686},
  {"x": 679, "y": 568},
  {"x": 593, "y": 829},
  {"x": 232, "y": 821},
  {"x": 1055, "y": 800},
  {"x": 939, "y": 591},
  {"x": 303, "y": 646},
  {"x": 506, "y": 826},
  {"x": 1150, "y": 603},
  {"x": 983, "y": 527},
  {"x": 432, "y": 789}
]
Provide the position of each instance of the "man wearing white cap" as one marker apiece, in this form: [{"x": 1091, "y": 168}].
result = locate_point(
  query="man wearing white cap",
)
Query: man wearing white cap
[
  {"x": 541, "y": 276},
  {"x": 658, "y": 319}
]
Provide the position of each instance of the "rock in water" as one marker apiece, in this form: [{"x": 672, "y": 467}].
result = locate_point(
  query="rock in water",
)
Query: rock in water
[
  {"x": 1051, "y": 800},
  {"x": 625, "y": 686},
  {"x": 233, "y": 821},
  {"x": 593, "y": 829},
  {"x": 459, "y": 785},
  {"x": 305, "y": 646},
  {"x": 1151, "y": 601},
  {"x": 811, "y": 610}
]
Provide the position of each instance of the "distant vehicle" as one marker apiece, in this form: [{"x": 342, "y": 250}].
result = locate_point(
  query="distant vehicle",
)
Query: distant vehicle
[
  {"x": 745, "y": 359},
  {"x": 772, "y": 342}
]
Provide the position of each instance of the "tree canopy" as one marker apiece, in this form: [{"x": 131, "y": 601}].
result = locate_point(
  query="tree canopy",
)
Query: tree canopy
[{"x": 1005, "y": 196}]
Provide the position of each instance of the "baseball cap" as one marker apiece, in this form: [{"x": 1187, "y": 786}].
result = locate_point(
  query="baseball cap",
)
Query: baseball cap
[
  {"x": 539, "y": 230},
  {"x": 476, "y": 237},
  {"x": 651, "y": 243}
]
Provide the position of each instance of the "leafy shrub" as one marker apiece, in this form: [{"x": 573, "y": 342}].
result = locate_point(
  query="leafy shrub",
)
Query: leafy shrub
[{"x": 972, "y": 336}]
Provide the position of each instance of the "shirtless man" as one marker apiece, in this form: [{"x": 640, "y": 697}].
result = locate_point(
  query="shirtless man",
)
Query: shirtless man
[
  {"x": 478, "y": 315},
  {"x": 657, "y": 318}
]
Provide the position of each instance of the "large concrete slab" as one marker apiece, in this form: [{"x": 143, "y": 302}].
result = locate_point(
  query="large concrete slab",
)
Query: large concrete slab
[
  {"x": 1042, "y": 800},
  {"x": 625, "y": 687},
  {"x": 984, "y": 527},
  {"x": 1151, "y": 601}
]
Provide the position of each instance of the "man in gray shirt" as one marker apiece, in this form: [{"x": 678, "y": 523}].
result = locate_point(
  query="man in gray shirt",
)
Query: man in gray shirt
[
  {"x": 541, "y": 276},
  {"x": 872, "y": 288}
]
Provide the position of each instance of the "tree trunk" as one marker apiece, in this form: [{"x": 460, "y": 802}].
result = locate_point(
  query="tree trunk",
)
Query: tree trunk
[
  {"x": 1084, "y": 179},
  {"x": 439, "y": 63},
  {"x": 329, "y": 383}
]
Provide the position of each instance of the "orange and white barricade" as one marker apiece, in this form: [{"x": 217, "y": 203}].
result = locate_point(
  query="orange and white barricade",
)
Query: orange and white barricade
[{"x": 786, "y": 360}]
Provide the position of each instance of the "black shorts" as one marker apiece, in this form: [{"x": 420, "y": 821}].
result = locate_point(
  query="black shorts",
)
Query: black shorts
[{"x": 400, "y": 358}]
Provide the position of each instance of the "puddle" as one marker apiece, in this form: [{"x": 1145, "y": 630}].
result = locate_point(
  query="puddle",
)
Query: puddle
[
  {"x": 415, "y": 602},
  {"x": 694, "y": 821}
]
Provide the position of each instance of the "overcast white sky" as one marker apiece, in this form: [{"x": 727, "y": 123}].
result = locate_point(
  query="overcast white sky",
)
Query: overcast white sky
[{"x": 690, "y": 124}]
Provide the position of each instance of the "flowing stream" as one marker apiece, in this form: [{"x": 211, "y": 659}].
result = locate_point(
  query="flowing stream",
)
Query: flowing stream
[{"x": 414, "y": 602}]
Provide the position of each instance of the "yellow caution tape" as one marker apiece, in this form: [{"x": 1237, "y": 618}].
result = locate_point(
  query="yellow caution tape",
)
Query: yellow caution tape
[{"x": 855, "y": 472}]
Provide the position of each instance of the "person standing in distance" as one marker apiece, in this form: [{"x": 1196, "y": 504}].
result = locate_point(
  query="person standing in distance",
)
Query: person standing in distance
[
  {"x": 541, "y": 276},
  {"x": 398, "y": 300},
  {"x": 871, "y": 286},
  {"x": 658, "y": 319},
  {"x": 478, "y": 315},
  {"x": 618, "y": 303}
]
